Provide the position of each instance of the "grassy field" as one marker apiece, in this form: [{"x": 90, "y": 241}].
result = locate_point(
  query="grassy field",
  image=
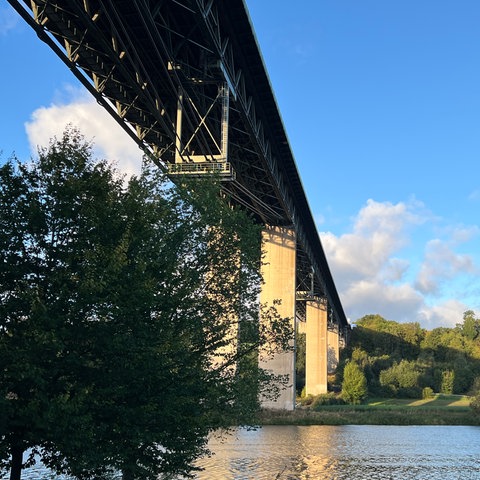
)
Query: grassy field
[
  {"x": 438, "y": 401},
  {"x": 439, "y": 410}
]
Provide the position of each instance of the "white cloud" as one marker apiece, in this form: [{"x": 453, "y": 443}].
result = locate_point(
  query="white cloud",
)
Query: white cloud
[
  {"x": 379, "y": 230},
  {"x": 394, "y": 270},
  {"x": 462, "y": 234},
  {"x": 442, "y": 263},
  {"x": 80, "y": 110},
  {"x": 445, "y": 314},
  {"x": 394, "y": 302},
  {"x": 374, "y": 274}
]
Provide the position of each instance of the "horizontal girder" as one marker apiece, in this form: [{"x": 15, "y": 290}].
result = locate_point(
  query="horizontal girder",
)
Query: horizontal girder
[{"x": 135, "y": 56}]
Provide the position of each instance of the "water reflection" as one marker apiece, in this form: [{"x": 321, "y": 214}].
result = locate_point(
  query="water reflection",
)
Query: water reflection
[
  {"x": 346, "y": 453},
  {"x": 337, "y": 453}
]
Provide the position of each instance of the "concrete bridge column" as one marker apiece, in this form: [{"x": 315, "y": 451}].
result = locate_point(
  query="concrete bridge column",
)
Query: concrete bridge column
[
  {"x": 333, "y": 353},
  {"x": 316, "y": 349},
  {"x": 278, "y": 272}
]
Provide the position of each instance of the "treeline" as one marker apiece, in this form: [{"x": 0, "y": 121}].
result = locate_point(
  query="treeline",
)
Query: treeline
[{"x": 405, "y": 360}]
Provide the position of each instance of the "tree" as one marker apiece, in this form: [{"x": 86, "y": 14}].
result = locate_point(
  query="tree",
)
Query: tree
[
  {"x": 354, "y": 385},
  {"x": 118, "y": 317},
  {"x": 448, "y": 382},
  {"x": 195, "y": 263},
  {"x": 401, "y": 379},
  {"x": 470, "y": 326},
  {"x": 475, "y": 394},
  {"x": 60, "y": 212}
]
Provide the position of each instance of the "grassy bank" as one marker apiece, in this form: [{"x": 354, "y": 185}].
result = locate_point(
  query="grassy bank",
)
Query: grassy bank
[{"x": 440, "y": 410}]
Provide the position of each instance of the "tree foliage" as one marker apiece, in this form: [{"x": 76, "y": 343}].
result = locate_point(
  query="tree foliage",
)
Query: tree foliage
[
  {"x": 470, "y": 327},
  {"x": 401, "y": 359},
  {"x": 120, "y": 316},
  {"x": 354, "y": 385},
  {"x": 401, "y": 379},
  {"x": 475, "y": 392}
]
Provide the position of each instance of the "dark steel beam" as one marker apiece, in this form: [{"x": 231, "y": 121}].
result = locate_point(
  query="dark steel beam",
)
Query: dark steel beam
[{"x": 134, "y": 56}]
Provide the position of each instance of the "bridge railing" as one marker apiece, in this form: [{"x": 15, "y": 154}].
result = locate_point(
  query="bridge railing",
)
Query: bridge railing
[{"x": 223, "y": 169}]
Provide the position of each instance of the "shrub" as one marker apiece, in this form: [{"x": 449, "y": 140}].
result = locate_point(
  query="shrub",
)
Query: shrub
[
  {"x": 427, "y": 392},
  {"x": 448, "y": 382},
  {"x": 326, "y": 399},
  {"x": 354, "y": 385},
  {"x": 401, "y": 379},
  {"x": 475, "y": 390},
  {"x": 306, "y": 400},
  {"x": 475, "y": 405}
]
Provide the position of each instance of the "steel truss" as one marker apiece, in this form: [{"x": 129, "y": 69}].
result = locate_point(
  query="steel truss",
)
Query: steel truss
[{"x": 186, "y": 81}]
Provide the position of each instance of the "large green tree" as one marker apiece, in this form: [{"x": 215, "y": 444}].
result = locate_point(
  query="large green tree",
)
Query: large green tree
[
  {"x": 129, "y": 317},
  {"x": 354, "y": 385},
  {"x": 56, "y": 217},
  {"x": 470, "y": 326}
]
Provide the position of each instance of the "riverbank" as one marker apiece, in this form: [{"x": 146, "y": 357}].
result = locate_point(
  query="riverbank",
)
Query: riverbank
[{"x": 441, "y": 410}]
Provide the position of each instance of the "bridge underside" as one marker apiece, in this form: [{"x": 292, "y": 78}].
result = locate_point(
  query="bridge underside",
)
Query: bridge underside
[{"x": 186, "y": 80}]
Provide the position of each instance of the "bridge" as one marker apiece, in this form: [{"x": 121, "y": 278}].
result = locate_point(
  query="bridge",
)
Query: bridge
[{"x": 186, "y": 80}]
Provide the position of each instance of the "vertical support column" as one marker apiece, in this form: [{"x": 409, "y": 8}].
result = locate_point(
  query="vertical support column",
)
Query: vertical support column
[
  {"x": 278, "y": 273},
  {"x": 316, "y": 349},
  {"x": 333, "y": 354}
]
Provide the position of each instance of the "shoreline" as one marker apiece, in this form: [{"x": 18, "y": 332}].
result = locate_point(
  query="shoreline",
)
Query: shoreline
[{"x": 372, "y": 415}]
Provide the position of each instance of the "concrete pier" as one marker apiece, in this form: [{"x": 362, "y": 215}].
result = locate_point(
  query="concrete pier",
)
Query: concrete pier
[
  {"x": 316, "y": 348},
  {"x": 278, "y": 272}
]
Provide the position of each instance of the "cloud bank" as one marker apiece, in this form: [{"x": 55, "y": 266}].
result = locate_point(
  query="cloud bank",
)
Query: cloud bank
[
  {"x": 79, "y": 109},
  {"x": 375, "y": 271}
]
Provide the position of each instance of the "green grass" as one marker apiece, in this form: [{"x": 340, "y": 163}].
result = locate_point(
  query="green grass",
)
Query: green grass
[
  {"x": 439, "y": 410},
  {"x": 438, "y": 401}
]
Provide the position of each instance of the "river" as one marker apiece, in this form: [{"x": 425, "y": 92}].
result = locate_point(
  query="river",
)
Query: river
[
  {"x": 347, "y": 453},
  {"x": 339, "y": 453}
]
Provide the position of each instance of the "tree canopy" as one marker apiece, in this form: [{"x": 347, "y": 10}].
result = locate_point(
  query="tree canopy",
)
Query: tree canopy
[
  {"x": 401, "y": 359},
  {"x": 129, "y": 316},
  {"x": 354, "y": 385}
]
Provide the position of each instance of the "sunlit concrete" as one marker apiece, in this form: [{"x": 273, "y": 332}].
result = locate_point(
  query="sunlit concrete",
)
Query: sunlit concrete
[
  {"x": 278, "y": 272},
  {"x": 316, "y": 349}
]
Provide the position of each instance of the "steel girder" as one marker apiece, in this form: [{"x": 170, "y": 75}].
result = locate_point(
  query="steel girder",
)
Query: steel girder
[{"x": 135, "y": 56}]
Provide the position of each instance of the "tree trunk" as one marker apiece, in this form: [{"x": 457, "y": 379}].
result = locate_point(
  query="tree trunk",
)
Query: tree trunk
[{"x": 17, "y": 462}]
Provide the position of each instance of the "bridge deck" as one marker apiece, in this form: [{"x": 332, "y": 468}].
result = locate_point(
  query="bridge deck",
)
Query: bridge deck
[{"x": 139, "y": 57}]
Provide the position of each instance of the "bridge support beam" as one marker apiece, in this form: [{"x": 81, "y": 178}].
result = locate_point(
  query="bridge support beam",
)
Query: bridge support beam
[
  {"x": 316, "y": 349},
  {"x": 278, "y": 272},
  {"x": 333, "y": 354}
]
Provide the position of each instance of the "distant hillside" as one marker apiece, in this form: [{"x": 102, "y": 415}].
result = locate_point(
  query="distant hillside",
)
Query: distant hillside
[{"x": 402, "y": 359}]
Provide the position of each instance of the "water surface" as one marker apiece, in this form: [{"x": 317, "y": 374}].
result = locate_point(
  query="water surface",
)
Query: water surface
[
  {"x": 347, "y": 453},
  {"x": 337, "y": 453}
]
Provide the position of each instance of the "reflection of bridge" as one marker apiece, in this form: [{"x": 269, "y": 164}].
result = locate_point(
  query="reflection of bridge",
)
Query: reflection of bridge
[{"x": 186, "y": 81}]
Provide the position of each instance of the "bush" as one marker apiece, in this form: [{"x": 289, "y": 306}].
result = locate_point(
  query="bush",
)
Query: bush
[
  {"x": 354, "y": 385},
  {"x": 448, "y": 382},
  {"x": 306, "y": 400},
  {"x": 427, "y": 392},
  {"x": 475, "y": 405},
  {"x": 326, "y": 399},
  {"x": 401, "y": 379},
  {"x": 475, "y": 389}
]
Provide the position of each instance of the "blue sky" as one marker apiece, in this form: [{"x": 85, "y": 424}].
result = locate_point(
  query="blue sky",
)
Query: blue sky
[{"x": 381, "y": 103}]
